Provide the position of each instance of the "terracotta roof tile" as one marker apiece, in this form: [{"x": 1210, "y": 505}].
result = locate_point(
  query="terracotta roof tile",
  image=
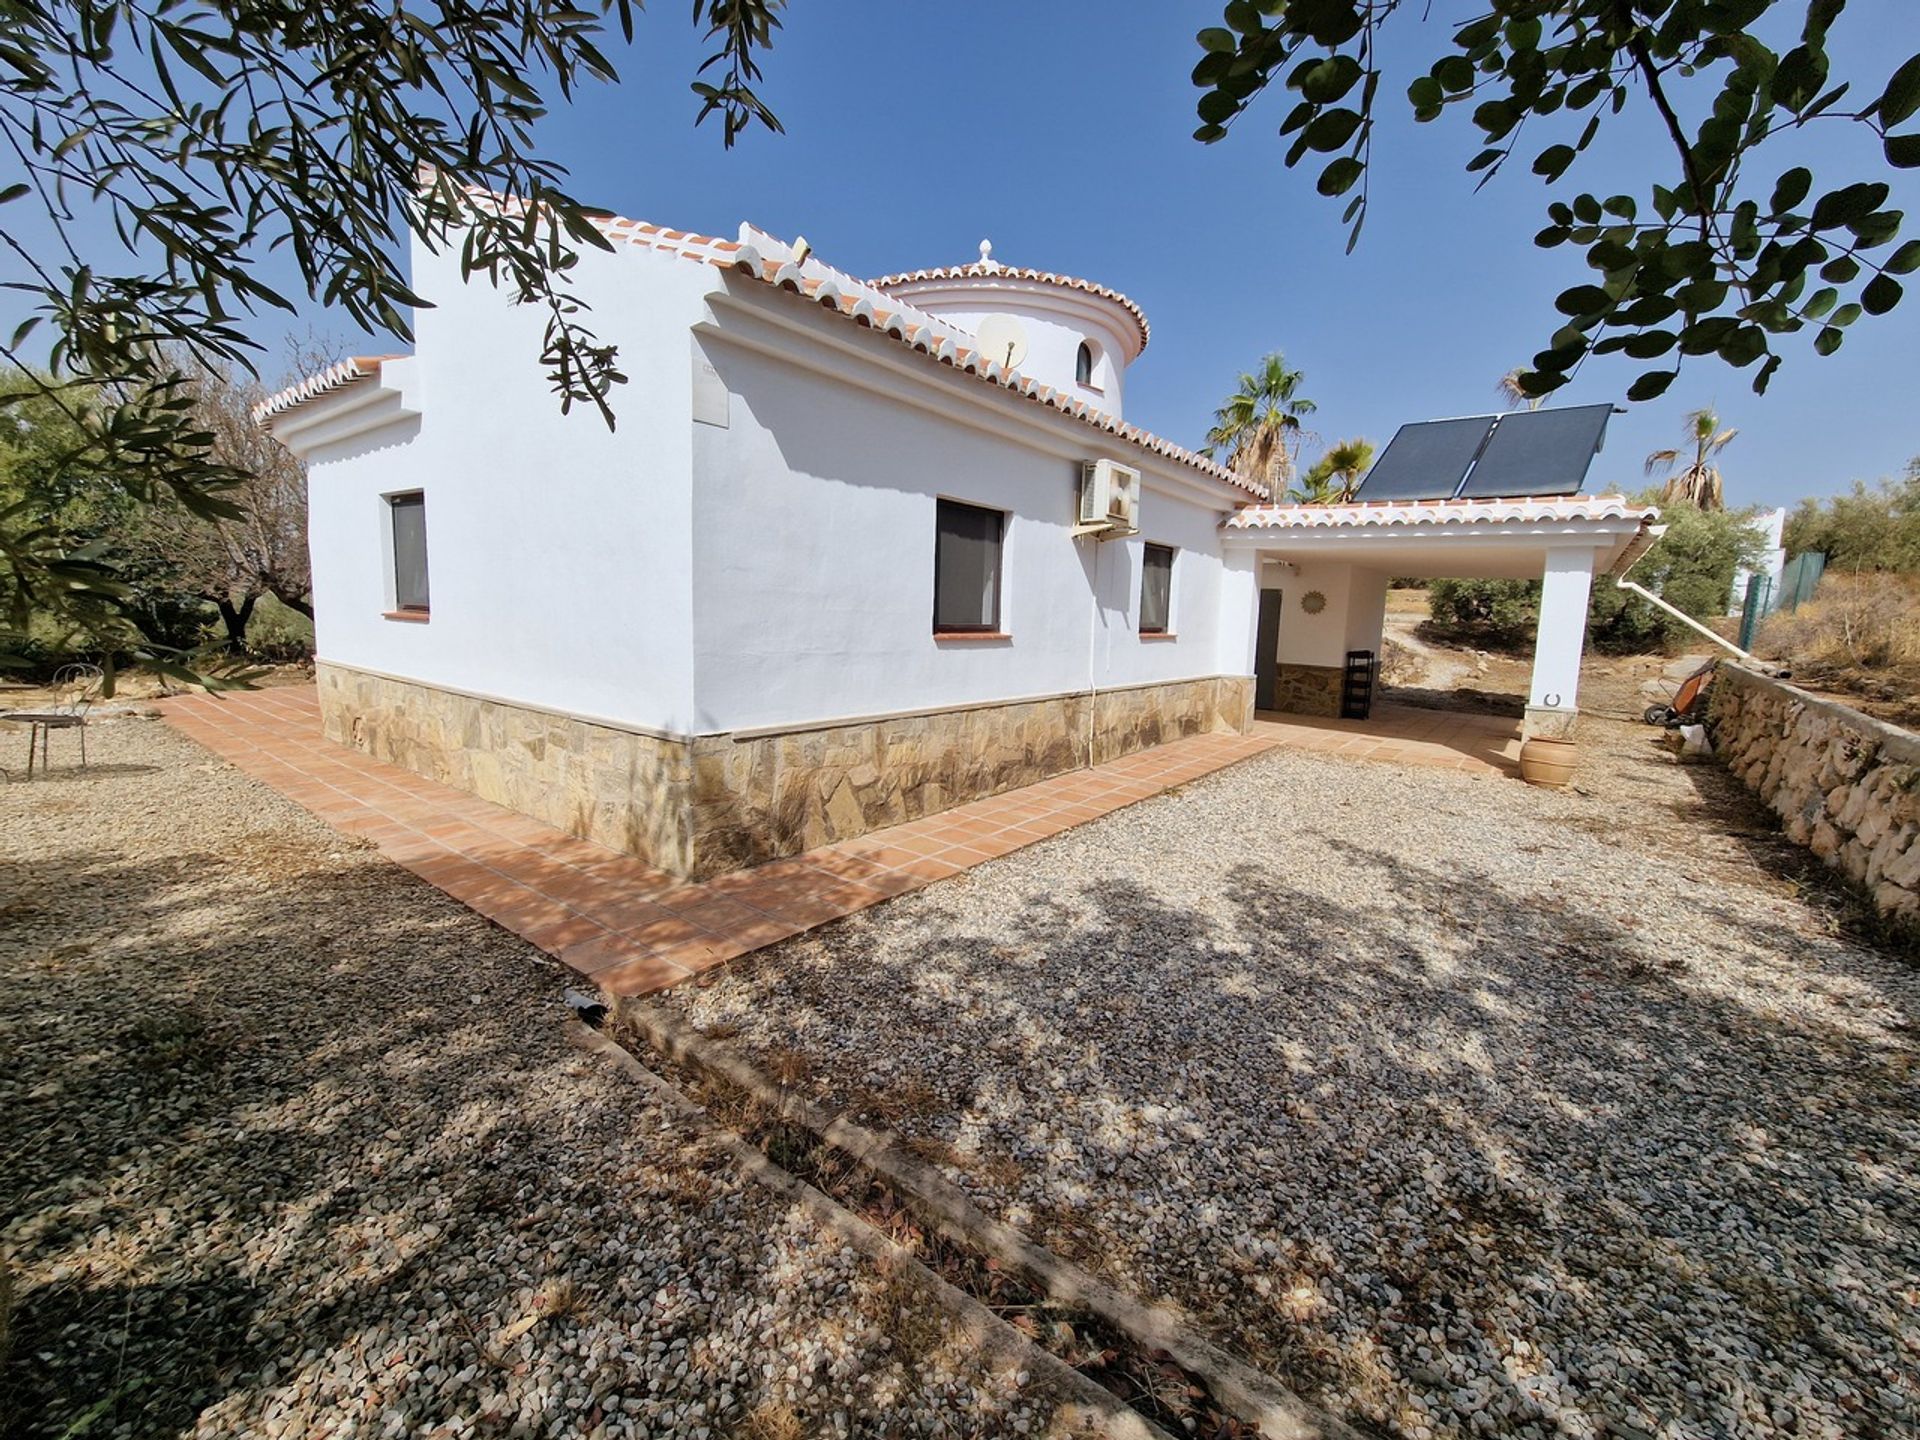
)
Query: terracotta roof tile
[
  {"x": 853, "y": 300},
  {"x": 1374, "y": 514},
  {"x": 335, "y": 377},
  {"x": 994, "y": 270}
]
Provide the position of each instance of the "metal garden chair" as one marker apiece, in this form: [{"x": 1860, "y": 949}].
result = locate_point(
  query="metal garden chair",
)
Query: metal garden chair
[{"x": 75, "y": 688}]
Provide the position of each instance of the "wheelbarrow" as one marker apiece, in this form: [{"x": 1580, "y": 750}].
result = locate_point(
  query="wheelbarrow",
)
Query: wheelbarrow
[{"x": 1689, "y": 703}]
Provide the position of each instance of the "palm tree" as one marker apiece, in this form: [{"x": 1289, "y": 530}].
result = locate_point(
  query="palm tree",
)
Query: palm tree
[
  {"x": 1332, "y": 479},
  {"x": 1510, "y": 391},
  {"x": 1697, "y": 482},
  {"x": 1258, "y": 429}
]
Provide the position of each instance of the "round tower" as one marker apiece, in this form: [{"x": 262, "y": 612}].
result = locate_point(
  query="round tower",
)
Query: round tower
[{"x": 1072, "y": 334}]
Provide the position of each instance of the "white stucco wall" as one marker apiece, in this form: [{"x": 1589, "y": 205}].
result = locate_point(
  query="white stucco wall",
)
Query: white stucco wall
[
  {"x": 774, "y": 569},
  {"x": 814, "y": 529},
  {"x": 557, "y": 550},
  {"x": 1769, "y": 527},
  {"x": 1353, "y": 618}
]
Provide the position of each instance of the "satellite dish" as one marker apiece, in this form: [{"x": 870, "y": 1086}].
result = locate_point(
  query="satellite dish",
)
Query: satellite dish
[{"x": 1003, "y": 339}]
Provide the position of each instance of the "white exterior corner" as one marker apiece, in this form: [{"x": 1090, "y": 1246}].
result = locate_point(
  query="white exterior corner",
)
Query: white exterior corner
[{"x": 709, "y": 633}]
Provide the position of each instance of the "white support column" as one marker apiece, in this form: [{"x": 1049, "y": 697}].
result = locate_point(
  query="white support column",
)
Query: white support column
[{"x": 1552, "y": 703}]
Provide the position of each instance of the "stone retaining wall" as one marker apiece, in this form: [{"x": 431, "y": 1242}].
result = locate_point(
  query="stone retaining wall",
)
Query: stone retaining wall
[
  {"x": 1308, "y": 689},
  {"x": 702, "y": 805},
  {"x": 1845, "y": 785}
]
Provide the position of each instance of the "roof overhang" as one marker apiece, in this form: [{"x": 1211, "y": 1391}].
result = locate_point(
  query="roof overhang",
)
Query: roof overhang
[
  {"x": 347, "y": 401},
  {"x": 1462, "y": 539}
]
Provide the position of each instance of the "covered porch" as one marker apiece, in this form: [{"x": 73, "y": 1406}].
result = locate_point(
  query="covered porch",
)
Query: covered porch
[
  {"x": 1323, "y": 573},
  {"x": 1400, "y": 734}
]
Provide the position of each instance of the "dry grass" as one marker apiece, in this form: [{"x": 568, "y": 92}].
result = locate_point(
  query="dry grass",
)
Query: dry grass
[
  {"x": 1870, "y": 622},
  {"x": 1860, "y": 637},
  {"x": 771, "y": 1420}
]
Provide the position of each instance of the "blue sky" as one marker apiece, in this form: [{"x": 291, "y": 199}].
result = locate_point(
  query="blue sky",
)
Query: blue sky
[
  {"x": 1062, "y": 131},
  {"x": 915, "y": 128}
]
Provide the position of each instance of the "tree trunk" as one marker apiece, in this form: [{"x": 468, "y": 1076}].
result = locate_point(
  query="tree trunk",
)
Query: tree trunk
[
  {"x": 235, "y": 617},
  {"x": 300, "y": 600}
]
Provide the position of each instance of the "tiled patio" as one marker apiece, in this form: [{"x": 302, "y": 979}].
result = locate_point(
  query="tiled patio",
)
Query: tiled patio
[
  {"x": 1407, "y": 735},
  {"x": 626, "y": 927}
]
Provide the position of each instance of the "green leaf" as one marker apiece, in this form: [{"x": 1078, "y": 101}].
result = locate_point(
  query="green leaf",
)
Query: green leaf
[
  {"x": 1218, "y": 40},
  {"x": 1744, "y": 346},
  {"x": 1881, "y": 295},
  {"x": 1216, "y": 107},
  {"x": 1553, "y": 161},
  {"x": 1339, "y": 177},
  {"x": 1798, "y": 77},
  {"x": 1330, "y": 79},
  {"x": 1903, "y": 151},
  {"x": 1849, "y": 203},
  {"x": 1523, "y": 33},
  {"x": 1652, "y": 385},
  {"x": 1828, "y": 341},
  {"x": 1425, "y": 93},
  {"x": 1496, "y": 118},
  {"x": 1901, "y": 98},
  {"x": 14, "y": 192},
  {"x": 1846, "y": 315},
  {"x": 1905, "y": 260},
  {"x": 1820, "y": 302},
  {"x": 1840, "y": 269},
  {"x": 1651, "y": 344},
  {"x": 1584, "y": 300},
  {"x": 1454, "y": 73},
  {"x": 1791, "y": 189},
  {"x": 1244, "y": 16},
  {"x": 1331, "y": 129}
]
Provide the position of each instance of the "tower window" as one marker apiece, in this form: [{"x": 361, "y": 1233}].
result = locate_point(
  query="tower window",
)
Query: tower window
[{"x": 1083, "y": 364}]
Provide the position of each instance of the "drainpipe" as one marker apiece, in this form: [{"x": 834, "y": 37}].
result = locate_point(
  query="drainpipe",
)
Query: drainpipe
[
  {"x": 1093, "y": 645},
  {"x": 1685, "y": 619}
]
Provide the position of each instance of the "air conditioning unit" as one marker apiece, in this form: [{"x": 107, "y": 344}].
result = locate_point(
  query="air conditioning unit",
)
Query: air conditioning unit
[{"x": 1109, "y": 498}]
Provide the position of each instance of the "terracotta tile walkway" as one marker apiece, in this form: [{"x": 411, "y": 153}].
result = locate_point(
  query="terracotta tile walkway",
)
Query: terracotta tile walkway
[
  {"x": 1407, "y": 735},
  {"x": 624, "y": 926}
]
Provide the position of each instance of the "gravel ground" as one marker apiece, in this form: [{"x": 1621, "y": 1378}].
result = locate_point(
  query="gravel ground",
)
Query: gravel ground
[
  {"x": 293, "y": 1146},
  {"x": 1461, "y": 1106}
]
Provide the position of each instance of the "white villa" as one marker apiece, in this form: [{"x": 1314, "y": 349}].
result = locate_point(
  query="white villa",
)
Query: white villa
[{"x": 858, "y": 550}]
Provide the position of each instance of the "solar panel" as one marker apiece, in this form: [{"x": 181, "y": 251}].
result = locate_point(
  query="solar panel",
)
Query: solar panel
[
  {"x": 1539, "y": 452},
  {"x": 1425, "y": 460}
]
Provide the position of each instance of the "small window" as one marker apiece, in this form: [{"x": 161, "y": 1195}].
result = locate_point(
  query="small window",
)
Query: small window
[
  {"x": 1083, "y": 364},
  {"x": 966, "y": 568},
  {"x": 1156, "y": 589},
  {"x": 409, "y": 517}
]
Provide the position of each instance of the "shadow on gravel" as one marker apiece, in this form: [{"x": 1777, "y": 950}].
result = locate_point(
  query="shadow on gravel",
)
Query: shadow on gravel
[
  {"x": 1720, "y": 800},
  {"x": 239, "y": 1137},
  {"x": 1466, "y": 1118}
]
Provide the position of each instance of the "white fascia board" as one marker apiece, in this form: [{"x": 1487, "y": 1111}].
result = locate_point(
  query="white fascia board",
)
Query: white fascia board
[
  {"x": 389, "y": 397},
  {"x": 1533, "y": 535},
  {"x": 876, "y": 362}
]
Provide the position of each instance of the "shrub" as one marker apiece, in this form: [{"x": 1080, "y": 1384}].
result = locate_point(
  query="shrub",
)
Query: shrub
[
  {"x": 1877, "y": 529},
  {"x": 1495, "y": 612},
  {"x": 1691, "y": 567},
  {"x": 278, "y": 634}
]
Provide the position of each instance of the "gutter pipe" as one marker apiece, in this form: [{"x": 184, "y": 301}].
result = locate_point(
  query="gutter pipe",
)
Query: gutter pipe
[{"x": 1621, "y": 582}]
